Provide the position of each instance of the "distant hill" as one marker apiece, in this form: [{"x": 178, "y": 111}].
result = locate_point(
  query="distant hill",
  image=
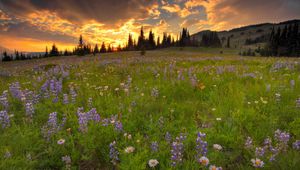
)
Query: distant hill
[{"x": 255, "y": 35}]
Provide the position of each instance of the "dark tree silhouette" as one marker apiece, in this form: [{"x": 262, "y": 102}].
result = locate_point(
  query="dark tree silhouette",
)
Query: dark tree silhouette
[
  {"x": 151, "y": 41},
  {"x": 228, "y": 42},
  {"x": 130, "y": 44},
  {"x": 103, "y": 48},
  {"x": 96, "y": 49},
  {"x": 141, "y": 40},
  {"x": 54, "y": 51}
]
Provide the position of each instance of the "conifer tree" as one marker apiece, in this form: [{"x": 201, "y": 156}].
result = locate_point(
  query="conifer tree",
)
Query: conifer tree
[
  {"x": 141, "y": 40},
  {"x": 228, "y": 42},
  {"x": 96, "y": 49},
  {"x": 151, "y": 40},
  {"x": 130, "y": 44},
  {"x": 103, "y": 48}
]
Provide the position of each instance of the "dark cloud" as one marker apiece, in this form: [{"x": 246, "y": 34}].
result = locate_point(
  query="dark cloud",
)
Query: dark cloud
[{"x": 78, "y": 11}]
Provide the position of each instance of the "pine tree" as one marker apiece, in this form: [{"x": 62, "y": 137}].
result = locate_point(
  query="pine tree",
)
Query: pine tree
[
  {"x": 151, "y": 40},
  {"x": 119, "y": 48},
  {"x": 81, "y": 48},
  {"x": 96, "y": 49},
  {"x": 46, "y": 53},
  {"x": 54, "y": 51},
  {"x": 141, "y": 40},
  {"x": 6, "y": 57},
  {"x": 130, "y": 44},
  {"x": 158, "y": 42},
  {"x": 17, "y": 55},
  {"x": 80, "y": 41},
  {"x": 103, "y": 48},
  {"x": 228, "y": 42},
  {"x": 210, "y": 39},
  {"x": 164, "y": 41},
  {"x": 109, "y": 50},
  {"x": 294, "y": 40}
]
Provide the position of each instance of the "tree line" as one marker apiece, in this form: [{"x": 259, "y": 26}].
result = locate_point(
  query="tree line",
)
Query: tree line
[
  {"x": 283, "y": 42},
  {"x": 209, "y": 39}
]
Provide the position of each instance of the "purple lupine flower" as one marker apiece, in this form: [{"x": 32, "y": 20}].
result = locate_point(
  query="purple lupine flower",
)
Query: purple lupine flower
[
  {"x": 52, "y": 126},
  {"x": 296, "y": 145},
  {"x": 58, "y": 86},
  {"x": 267, "y": 143},
  {"x": 154, "y": 146},
  {"x": 168, "y": 137},
  {"x": 4, "y": 119},
  {"x": 280, "y": 136},
  {"x": 118, "y": 126},
  {"x": 248, "y": 143},
  {"x": 259, "y": 152},
  {"x": 93, "y": 115},
  {"x": 65, "y": 99},
  {"x": 201, "y": 145},
  {"x": 15, "y": 90},
  {"x": 73, "y": 94},
  {"x": 177, "y": 151},
  {"x": 4, "y": 99},
  {"x": 45, "y": 86},
  {"x": 113, "y": 153},
  {"x": 274, "y": 153},
  {"x": 55, "y": 99},
  {"x": 82, "y": 120},
  {"x": 52, "y": 86},
  {"x": 29, "y": 110},
  {"x": 105, "y": 122}
]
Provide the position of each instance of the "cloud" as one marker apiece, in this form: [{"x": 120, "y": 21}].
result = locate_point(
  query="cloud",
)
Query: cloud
[
  {"x": 62, "y": 21},
  {"x": 172, "y": 8},
  {"x": 226, "y": 14},
  {"x": 4, "y": 16},
  {"x": 189, "y": 22},
  {"x": 82, "y": 11}
]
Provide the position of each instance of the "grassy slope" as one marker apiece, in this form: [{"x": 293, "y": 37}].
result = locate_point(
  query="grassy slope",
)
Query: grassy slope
[{"x": 179, "y": 107}]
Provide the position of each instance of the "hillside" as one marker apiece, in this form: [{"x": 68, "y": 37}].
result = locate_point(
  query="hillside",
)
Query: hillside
[{"x": 238, "y": 36}]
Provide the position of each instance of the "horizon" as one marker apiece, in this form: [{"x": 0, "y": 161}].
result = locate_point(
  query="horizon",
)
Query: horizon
[{"x": 32, "y": 25}]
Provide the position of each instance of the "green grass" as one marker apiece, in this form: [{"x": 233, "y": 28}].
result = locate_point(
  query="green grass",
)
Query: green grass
[{"x": 178, "y": 108}]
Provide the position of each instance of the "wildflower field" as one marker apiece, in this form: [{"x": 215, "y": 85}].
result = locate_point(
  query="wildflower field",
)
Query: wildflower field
[{"x": 170, "y": 109}]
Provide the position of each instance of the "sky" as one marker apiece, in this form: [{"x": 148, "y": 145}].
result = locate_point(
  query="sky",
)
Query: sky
[{"x": 31, "y": 25}]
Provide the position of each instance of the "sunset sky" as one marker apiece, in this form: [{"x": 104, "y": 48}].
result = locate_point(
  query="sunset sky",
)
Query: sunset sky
[{"x": 31, "y": 25}]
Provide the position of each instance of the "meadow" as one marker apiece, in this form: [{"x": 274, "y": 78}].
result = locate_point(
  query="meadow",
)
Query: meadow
[{"x": 170, "y": 109}]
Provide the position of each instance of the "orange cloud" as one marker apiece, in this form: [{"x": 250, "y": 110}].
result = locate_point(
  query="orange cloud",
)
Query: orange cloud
[
  {"x": 227, "y": 14},
  {"x": 173, "y": 8}
]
